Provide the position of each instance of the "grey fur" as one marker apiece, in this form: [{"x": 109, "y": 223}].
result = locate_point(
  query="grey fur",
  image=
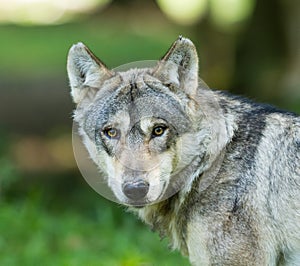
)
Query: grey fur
[{"x": 236, "y": 162}]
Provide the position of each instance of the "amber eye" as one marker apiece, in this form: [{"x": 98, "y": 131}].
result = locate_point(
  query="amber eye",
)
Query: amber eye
[
  {"x": 112, "y": 133},
  {"x": 158, "y": 131}
]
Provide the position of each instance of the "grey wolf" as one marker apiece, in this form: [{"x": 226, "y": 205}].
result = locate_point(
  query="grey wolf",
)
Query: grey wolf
[{"x": 233, "y": 164}]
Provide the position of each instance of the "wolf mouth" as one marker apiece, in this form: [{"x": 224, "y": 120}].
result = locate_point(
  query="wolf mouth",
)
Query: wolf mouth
[{"x": 170, "y": 187}]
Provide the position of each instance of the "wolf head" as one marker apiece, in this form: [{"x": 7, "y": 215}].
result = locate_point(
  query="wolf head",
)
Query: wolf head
[{"x": 146, "y": 129}]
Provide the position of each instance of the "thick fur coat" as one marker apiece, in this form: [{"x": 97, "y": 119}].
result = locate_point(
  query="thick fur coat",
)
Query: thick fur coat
[{"x": 217, "y": 174}]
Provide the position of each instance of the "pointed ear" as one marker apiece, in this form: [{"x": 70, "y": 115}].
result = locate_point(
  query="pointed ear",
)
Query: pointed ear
[
  {"x": 179, "y": 66},
  {"x": 86, "y": 72}
]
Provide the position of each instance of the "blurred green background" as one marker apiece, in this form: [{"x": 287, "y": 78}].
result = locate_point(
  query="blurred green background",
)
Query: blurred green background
[{"x": 48, "y": 214}]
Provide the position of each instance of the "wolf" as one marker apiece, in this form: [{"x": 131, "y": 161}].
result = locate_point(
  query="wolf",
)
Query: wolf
[{"x": 217, "y": 174}]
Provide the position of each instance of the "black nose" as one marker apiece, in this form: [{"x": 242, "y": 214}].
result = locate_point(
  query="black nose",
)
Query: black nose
[{"x": 136, "y": 190}]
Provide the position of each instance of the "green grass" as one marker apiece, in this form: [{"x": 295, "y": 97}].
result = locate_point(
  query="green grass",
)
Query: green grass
[{"x": 61, "y": 221}]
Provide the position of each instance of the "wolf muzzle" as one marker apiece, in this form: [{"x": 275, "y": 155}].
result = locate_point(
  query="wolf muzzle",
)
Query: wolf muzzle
[{"x": 136, "y": 190}]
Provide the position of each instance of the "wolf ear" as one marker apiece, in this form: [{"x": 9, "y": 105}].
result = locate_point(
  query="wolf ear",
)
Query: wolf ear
[
  {"x": 86, "y": 72},
  {"x": 179, "y": 66}
]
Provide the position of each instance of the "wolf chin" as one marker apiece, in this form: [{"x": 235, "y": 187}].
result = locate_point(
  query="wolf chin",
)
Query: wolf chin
[{"x": 230, "y": 165}]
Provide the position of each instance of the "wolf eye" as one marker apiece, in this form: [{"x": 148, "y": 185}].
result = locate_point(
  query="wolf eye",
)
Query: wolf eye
[
  {"x": 158, "y": 131},
  {"x": 112, "y": 133}
]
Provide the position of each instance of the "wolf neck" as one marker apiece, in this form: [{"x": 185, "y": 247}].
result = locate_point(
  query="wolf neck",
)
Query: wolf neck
[
  {"x": 162, "y": 217},
  {"x": 169, "y": 217}
]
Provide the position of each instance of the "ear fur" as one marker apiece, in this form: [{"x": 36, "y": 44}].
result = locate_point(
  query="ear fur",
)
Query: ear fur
[
  {"x": 179, "y": 66},
  {"x": 86, "y": 72}
]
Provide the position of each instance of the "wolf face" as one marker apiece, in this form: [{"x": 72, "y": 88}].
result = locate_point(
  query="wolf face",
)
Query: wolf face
[{"x": 144, "y": 128}]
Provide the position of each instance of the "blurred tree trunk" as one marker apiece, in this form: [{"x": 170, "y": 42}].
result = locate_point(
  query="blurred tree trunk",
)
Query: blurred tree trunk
[
  {"x": 261, "y": 52},
  {"x": 291, "y": 75}
]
